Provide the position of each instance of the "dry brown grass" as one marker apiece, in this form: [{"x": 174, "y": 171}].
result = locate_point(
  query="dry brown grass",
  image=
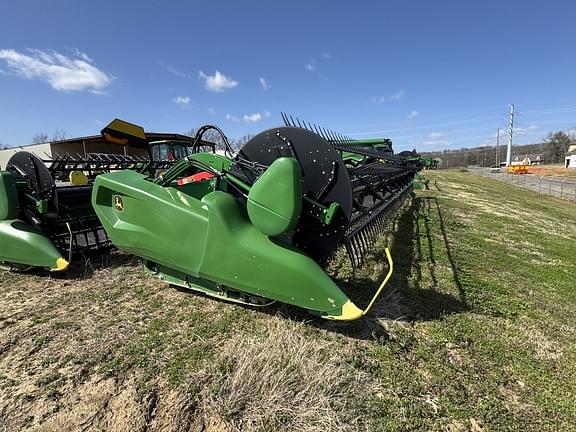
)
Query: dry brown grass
[{"x": 284, "y": 381}]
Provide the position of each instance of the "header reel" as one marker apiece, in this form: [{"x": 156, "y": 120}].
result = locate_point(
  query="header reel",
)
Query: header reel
[{"x": 325, "y": 185}]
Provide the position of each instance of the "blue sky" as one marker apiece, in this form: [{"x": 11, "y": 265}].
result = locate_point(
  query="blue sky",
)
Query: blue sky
[{"x": 428, "y": 74}]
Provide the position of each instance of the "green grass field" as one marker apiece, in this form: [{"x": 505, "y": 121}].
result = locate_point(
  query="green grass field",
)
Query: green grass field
[{"x": 476, "y": 332}]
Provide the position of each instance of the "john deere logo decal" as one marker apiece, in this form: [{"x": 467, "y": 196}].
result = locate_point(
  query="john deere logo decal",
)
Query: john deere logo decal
[{"x": 118, "y": 204}]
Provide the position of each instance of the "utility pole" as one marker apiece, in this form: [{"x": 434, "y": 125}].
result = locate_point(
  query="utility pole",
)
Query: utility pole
[
  {"x": 510, "y": 132},
  {"x": 498, "y": 147}
]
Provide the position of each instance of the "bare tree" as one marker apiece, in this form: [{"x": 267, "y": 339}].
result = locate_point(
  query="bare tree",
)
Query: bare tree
[
  {"x": 210, "y": 135},
  {"x": 40, "y": 138},
  {"x": 238, "y": 143},
  {"x": 59, "y": 135},
  {"x": 213, "y": 136}
]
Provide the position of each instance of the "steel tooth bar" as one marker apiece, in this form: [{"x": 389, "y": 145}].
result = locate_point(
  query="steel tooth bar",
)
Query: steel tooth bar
[
  {"x": 368, "y": 232},
  {"x": 381, "y": 224},
  {"x": 351, "y": 252},
  {"x": 330, "y": 137},
  {"x": 365, "y": 241},
  {"x": 350, "y": 256},
  {"x": 354, "y": 242},
  {"x": 373, "y": 230},
  {"x": 366, "y": 237},
  {"x": 358, "y": 253},
  {"x": 356, "y": 234},
  {"x": 334, "y": 137}
]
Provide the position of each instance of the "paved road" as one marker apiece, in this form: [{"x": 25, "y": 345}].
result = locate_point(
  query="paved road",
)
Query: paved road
[{"x": 556, "y": 187}]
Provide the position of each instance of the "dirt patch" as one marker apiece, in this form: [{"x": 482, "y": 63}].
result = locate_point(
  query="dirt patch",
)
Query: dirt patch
[
  {"x": 59, "y": 344},
  {"x": 107, "y": 405}
]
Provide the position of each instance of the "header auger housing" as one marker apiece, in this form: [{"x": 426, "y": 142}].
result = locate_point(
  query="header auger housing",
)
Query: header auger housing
[{"x": 254, "y": 228}]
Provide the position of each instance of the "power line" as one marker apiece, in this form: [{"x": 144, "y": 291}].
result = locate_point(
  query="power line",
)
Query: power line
[{"x": 550, "y": 111}]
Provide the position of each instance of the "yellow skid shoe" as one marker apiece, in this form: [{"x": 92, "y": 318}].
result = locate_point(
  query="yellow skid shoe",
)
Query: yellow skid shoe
[{"x": 352, "y": 312}]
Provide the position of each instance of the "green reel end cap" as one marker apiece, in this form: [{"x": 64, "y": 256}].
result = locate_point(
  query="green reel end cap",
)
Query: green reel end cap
[{"x": 275, "y": 200}]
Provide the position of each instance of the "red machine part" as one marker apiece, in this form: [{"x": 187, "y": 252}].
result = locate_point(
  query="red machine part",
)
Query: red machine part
[{"x": 202, "y": 175}]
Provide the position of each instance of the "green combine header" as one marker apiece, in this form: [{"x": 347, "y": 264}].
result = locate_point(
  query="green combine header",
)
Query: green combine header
[{"x": 252, "y": 227}]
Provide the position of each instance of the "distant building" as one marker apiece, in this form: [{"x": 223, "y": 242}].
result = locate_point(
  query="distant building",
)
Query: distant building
[
  {"x": 79, "y": 147},
  {"x": 570, "y": 157},
  {"x": 529, "y": 159}
]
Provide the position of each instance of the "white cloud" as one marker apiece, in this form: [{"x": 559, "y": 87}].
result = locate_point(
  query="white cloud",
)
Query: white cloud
[
  {"x": 183, "y": 101},
  {"x": 175, "y": 71},
  {"x": 264, "y": 83},
  {"x": 434, "y": 135},
  {"x": 267, "y": 113},
  {"x": 62, "y": 73},
  {"x": 413, "y": 114},
  {"x": 211, "y": 111},
  {"x": 83, "y": 56},
  {"x": 232, "y": 118},
  {"x": 393, "y": 97},
  {"x": 518, "y": 131},
  {"x": 217, "y": 82},
  {"x": 252, "y": 118},
  {"x": 436, "y": 143},
  {"x": 524, "y": 131},
  {"x": 311, "y": 65}
]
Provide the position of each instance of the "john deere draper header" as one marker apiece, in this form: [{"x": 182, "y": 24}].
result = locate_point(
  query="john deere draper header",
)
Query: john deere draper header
[{"x": 252, "y": 227}]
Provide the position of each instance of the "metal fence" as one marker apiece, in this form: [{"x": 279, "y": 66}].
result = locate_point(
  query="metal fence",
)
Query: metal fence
[{"x": 543, "y": 185}]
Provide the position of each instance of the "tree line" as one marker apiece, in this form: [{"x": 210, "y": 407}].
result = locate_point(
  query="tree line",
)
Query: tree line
[
  {"x": 42, "y": 137},
  {"x": 551, "y": 150}
]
